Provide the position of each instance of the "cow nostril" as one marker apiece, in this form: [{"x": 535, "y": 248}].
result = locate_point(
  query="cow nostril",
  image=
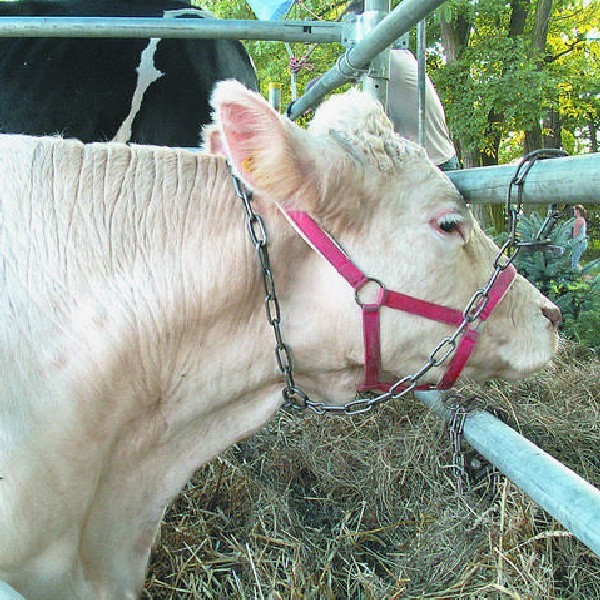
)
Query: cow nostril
[{"x": 553, "y": 314}]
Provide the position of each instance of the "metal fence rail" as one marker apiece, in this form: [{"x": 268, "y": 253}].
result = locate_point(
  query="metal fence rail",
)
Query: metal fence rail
[
  {"x": 181, "y": 27},
  {"x": 569, "y": 180},
  {"x": 404, "y": 17},
  {"x": 570, "y": 499}
]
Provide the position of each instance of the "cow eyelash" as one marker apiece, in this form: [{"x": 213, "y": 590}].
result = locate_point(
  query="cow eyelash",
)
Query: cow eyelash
[{"x": 450, "y": 224}]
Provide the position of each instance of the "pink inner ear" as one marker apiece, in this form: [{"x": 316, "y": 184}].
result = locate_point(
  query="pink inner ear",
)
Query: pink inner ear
[
  {"x": 248, "y": 134},
  {"x": 240, "y": 124}
]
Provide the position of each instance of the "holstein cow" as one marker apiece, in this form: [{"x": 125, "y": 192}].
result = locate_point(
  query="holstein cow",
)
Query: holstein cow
[
  {"x": 94, "y": 89},
  {"x": 134, "y": 339}
]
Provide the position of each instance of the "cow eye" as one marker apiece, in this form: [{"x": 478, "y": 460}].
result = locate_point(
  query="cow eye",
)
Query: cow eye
[{"x": 450, "y": 224}]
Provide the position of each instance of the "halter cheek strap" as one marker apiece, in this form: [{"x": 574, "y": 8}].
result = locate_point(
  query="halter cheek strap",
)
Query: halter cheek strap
[
  {"x": 328, "y": 249},
  {"x": 469, "y": 339}
]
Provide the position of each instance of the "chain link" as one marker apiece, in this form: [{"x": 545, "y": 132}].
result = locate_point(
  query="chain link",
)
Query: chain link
[
  {"x": 258, "y": 236},
  {"x": 294, "y": 397},
  {"x": 456, "y": 425},
  {"x": 518, "y": 180}
]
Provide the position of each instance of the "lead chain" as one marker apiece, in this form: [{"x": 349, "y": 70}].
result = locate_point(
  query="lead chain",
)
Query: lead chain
[
  {"x": 514, "y": 210},
  {"x": 456, "y": 426},
  {"x": 292, "y": 395}
]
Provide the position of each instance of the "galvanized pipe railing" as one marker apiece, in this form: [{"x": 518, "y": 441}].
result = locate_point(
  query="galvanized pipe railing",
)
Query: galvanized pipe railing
[
  {"x": 405, "y": 16},
  {"x": 566, "y": 496},
  {"x": 375, "y": 81},
  {"x": 569, "y": 180},
  {"x": 180, "y": 27}
]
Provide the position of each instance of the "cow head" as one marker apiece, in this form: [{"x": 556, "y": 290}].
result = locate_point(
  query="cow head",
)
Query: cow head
[{"x": 400, "y": 220}]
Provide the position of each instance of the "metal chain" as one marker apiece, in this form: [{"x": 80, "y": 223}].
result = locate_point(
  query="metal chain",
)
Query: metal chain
[
  {"x": 552, "y": 216},
  {"x": 456, "y": 426},
  {"x": 258, "y": 237},
  {"x": 294, "y": 397},
  {"x": 459, "y": 409},
  {"x": 513, "y": 210}
]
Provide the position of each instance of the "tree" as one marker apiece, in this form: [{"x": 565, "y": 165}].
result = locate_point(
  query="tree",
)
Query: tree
[
  {"x": 533, "y": 136},
  {"x": 524, "y": 66},
  {"x": 573, "y": 58}
]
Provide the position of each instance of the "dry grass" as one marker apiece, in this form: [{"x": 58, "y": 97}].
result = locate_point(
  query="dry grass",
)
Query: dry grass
[{"x": 366, "y": 508}]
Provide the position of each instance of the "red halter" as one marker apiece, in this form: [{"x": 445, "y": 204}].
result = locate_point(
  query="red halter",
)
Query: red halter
[{"x": 329, "y": 250}]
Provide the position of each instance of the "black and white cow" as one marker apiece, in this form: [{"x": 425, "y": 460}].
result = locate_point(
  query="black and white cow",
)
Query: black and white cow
[{"x": 139, "y": 90}]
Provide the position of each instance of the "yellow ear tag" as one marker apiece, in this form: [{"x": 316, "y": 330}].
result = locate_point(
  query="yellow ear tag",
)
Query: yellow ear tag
[{"x": 249, "y": 164}]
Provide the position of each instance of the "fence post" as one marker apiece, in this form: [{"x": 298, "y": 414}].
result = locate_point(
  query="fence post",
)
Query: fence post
[
  {"x": 375, "y": 81},
  {"x": 422, "y": 72}
]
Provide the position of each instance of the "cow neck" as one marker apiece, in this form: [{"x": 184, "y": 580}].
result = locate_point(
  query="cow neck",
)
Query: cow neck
[{"x": 326, "y": 246}]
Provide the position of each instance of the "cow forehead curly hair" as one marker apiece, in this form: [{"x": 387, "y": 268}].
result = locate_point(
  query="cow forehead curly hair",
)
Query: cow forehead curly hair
[{"x": 359, "y": 124}]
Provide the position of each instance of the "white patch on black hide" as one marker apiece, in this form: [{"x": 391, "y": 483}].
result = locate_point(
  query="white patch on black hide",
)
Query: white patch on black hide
[{"x": 147, "y": 75}]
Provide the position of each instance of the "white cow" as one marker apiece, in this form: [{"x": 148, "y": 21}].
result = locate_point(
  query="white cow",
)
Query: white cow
[{"x": 133, "y": 335}]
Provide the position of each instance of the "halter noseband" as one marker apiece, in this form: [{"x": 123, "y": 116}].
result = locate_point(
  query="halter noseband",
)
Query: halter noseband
[{"x": 329, "y": 250}]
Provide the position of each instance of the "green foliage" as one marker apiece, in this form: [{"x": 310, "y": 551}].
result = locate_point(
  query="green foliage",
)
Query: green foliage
[
  {"x": 586, "y": 328},
  {"x": 593, "y": 229},
  {"x": 499, "y": 86},
  {"x": 576, "y": 66},
  {"x": 272, "y": 59},
  {"x": 576, "y": 293},
  {"x": 548, "y": 270}
]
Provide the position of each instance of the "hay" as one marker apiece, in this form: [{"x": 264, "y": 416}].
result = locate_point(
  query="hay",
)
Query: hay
[{"x": 366, "y": 507}]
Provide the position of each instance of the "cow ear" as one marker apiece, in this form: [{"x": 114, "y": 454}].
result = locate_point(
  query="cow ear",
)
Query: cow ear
[
  {"x": 213, "y": 141},
  {"x": 269, "y": 153}
]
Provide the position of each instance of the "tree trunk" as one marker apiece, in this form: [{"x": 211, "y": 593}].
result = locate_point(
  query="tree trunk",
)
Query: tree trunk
[
  {"x": 593, "y": 133},
  {"x": 551, "y": 135},
  {"x": 518, "y": 17},
  {"x": 540, "y": 27},
  {"x": 516, "y": 28},
  {"x": 533, "y": 137},
  {"x": 455, "y": 38}
]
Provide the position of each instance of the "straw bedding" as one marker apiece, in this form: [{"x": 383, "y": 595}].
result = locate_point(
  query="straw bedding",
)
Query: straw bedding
[{"x": 366, "y": 507}]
